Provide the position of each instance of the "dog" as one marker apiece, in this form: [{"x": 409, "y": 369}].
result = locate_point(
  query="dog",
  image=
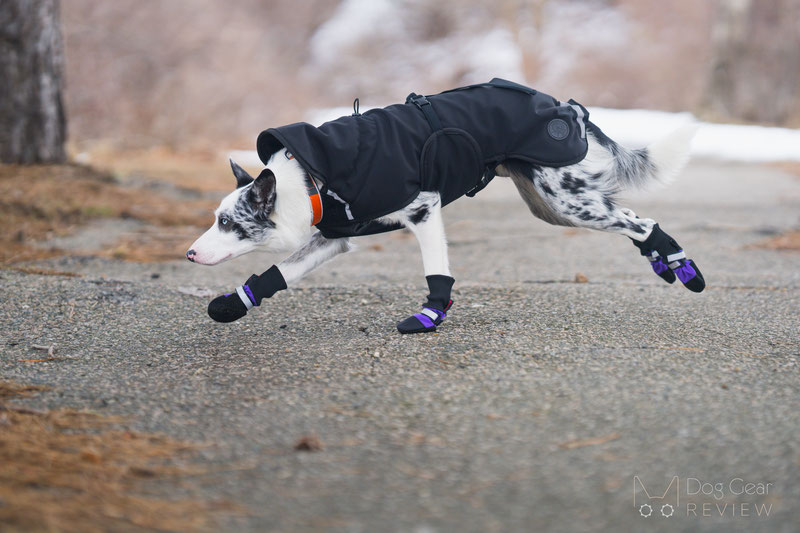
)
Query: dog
[{"x": 397, "y": 167}]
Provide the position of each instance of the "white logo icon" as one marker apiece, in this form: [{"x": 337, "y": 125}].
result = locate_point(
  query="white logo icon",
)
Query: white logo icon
[{"x": 648, "y": 501}]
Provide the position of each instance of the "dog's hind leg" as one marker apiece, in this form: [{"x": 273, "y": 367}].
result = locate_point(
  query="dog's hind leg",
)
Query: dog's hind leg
[
  {"x": 574, "y": 196},
  {"x": 424, "y": 218},
  {"x": 669, "y": 260}
]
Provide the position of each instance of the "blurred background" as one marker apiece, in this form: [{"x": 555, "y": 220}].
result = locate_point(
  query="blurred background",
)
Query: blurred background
[
  {"x": 117, "y": 118},
  {"x": 149, "y": 97},
  {"x": 206, "y": 73}
]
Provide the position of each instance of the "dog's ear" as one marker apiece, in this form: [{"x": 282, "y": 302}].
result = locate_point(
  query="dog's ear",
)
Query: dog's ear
[
  {"x": 242, "y": 177},
  {"x": 262, "y": 193}
]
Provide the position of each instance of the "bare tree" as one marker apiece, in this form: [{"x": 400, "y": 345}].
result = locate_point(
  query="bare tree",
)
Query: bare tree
[
  {"x": 755, "y": 68},
  {"x": 32, "y": 120}
]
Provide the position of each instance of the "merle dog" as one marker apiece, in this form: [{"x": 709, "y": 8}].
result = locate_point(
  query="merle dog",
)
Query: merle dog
[{"x": 423, "y": 154}]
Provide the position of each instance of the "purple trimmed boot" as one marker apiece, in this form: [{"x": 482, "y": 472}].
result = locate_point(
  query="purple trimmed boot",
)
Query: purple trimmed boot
[
  {"x": 235, "y": 305},
  {"x": 434, "y": 310},
  {"x": 669, "y": 261}
]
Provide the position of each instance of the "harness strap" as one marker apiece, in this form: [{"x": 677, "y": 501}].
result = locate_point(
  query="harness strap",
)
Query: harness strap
[
  {"x": 427, "y": 109},
  {"x": 433, "y": 120},
  {"x": 488, "y": 176}
]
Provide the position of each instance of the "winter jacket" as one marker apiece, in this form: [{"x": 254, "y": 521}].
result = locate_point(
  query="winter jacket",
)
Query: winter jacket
[{"x": 376, "y": 163}]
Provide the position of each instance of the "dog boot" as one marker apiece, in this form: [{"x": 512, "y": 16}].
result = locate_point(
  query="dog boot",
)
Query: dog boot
[
  {"x": 434, "y": 310},
  {"x": 235, "y": 305},
  {"x": 659, "y": 266},
  {"x": 669, "y": 261}
]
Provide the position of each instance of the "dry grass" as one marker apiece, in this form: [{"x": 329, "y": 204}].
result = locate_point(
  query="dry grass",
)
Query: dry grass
[
  {"x": 199, "y": 170},
  {"x": 71, "y": 471},
  {"x": 42, "y": 271},
  {"x": 790, "y": 167},
  {"x": 788, "y": 242},
  {"x": 152, "y": 244},
  {"x": 14, "y": 390},
  {"x": 42, "y": 201}
]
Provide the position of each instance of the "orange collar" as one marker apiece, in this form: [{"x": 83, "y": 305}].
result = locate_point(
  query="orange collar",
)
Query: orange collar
[
  {"x": 313, "y": 195},
  {"x": 316, "y": 201}
]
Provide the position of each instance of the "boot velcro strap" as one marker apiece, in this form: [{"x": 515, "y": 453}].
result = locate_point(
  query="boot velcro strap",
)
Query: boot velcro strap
[
  {"x": 433, "y": 314},
  {"x": 430, "y": 317},
  {"x": 248, "y": 303},
  {"x": 677, "y": 255}
]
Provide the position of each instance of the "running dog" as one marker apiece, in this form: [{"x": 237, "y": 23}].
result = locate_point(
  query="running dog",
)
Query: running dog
[{"x": 397, "y": 167}]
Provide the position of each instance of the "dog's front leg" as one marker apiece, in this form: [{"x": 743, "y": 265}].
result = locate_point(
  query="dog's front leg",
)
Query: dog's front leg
[
  {"x": 424, "y": 218},
  {"x": 311, "y": 255},
  {"x": 316, "y": 251}
]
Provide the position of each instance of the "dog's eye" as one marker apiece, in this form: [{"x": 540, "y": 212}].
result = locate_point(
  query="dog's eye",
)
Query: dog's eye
[{"x": 224, "y": 221}]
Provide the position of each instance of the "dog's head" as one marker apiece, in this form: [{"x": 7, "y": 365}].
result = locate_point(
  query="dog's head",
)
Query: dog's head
[{"x": 242, "y": 222}]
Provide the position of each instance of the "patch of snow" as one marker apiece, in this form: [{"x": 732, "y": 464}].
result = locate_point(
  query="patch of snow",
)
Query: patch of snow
[
  {"x": 747, "y": 143},
  {"x": 495, "y": 54},
  {"x": 636, "y": 128},
  {"x": 574, "y": 30},
  {"x": 83, "y": 158},
  {"x": 352, "y": 22},
  {"x": 374, "y": 47}
]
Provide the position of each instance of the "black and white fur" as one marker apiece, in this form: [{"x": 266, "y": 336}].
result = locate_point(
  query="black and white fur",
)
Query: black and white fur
[{"x": 273, "y": 211}]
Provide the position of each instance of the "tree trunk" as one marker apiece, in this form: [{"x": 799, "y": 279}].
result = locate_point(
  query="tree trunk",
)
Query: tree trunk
[
  {"x": 32, "y": 121},
  {"x": 755, "y": 66}
]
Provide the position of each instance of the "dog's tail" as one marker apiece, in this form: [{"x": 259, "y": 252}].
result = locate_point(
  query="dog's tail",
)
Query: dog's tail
[{"x": 658, "y": 164}]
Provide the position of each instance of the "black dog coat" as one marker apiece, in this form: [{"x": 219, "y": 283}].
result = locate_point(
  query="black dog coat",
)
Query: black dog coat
[{"x": 378, "y": 162}]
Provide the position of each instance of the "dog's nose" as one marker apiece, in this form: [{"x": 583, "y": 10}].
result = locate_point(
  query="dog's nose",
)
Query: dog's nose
[{"x": 190, "y": 255}]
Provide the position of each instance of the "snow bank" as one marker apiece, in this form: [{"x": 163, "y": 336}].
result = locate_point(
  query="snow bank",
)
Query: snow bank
[{"x": 636, "y": 128}]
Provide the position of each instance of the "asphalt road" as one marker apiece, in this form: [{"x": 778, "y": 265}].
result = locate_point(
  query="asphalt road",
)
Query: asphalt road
[{"x": 533, "y": 407}]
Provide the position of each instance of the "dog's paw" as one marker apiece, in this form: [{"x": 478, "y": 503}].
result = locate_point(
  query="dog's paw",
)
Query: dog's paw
[
  {"x": 416, "y": 324},
  {"x": 660, "y": 267},
  {"x": 423, "y": 322},
  {"x": 227, "y": 308},
  {"x": 669, "y": 261},
  {"x": 689, "y": 275}
]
